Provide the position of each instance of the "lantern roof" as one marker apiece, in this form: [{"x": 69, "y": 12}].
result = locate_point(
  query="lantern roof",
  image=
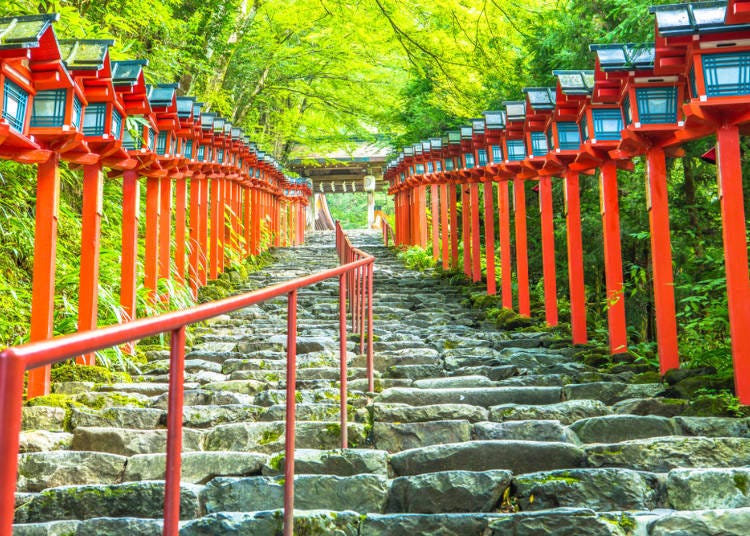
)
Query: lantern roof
[
  {"x": 625, "y": 57},
  {"x": 515, "y": 110},
  {"x": 693, "y": 17},
  {"x": 128, "y": 72},
  {"x": 85, "y": 54},
  {"x": 162, "y": 95},
  {"x": 541, "y": 98},
  {"x": 575, "y": 82},
  {"x": 26, "y": 31},
  {"x": 494, "y": 119},
  {"x": 185, "y": 107}
]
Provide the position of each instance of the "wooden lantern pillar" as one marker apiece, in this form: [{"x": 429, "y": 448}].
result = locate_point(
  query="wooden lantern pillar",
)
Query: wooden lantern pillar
[
  {"x": 540, "y": 103},
  {"x": 515, "y": 153},
  {"x": 572, "y": 91}
]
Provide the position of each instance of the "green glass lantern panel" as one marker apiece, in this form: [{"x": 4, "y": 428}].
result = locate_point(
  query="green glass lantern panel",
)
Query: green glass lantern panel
[
  {"x": 468, "y": 160},
  {"x": 497, "y": 153},
  {"x": 48, "y": 109},
  {"x": 539, "y": 145},
  {"x": 161, "y": 142},
  {"x": 626, "y": 110},
  {"x": 430, "y": 167},
  {"x": 77, "y": 113},
  {"x": 221, "y": 156},
  {"x": 94, "y": 119},
  {"x": 420, "y": 169},
  {"x": 516, "y": 150},
  {"x": 150, "y": 139},
  {"x": 189, "y": 149},
  {"x": 15, "y": 103},
  {"x": 727, "y": 74},
  {"x": 438, "y": 166},
  {"x": 116, "y": 124},
  {"x": 201, "y": 153},
  {"x": 568, "y": 136},
  {"x": 607, "y": 123},
  {"x": 656, "y": 105},
  {"x": 481, "y": 158},
  {"x": 449, "y": 164}
]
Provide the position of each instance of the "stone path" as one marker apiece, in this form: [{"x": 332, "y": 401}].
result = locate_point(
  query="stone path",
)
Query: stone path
[{"x": 473, "y": 431}]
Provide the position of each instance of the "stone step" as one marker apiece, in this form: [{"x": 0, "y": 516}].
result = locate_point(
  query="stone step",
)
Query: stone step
[
  {"x": 516, "y": 456},
  {"x": 480, "y": 396},
  {"x": 136, "y": 499}
]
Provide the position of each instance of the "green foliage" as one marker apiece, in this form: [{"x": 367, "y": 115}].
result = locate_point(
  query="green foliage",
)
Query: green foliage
[
  {"x": 417, "y": 258},
  {"x": 350, "y": 209}
]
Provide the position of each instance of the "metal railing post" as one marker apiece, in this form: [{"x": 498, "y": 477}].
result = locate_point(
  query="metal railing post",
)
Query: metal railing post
[
  {"x": 12, "y": 370},
  {"x": 291, "y": 391},
  {"x": 342, "y": 355},
  {"x": 174, "y": 433},
  {"x": 370, "y": 334}
]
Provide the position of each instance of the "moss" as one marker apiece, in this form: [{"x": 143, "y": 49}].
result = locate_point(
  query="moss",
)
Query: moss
[
  {"x": 333, "y": 429},
  {"x": 741, "y": 482},
  {"x": 450, "y": 345},
  {"x": 275, "y": 461},
  {"x": 272, "y": 377},
  {"x": 58, "y": 401},
  {"x": 646, "y": 377},
  {"x": 269, "y": 436},
  {"x": 102, "y": 400},
  {"x": 70, "y": 372},
  {"x": 560, "y": 478}
]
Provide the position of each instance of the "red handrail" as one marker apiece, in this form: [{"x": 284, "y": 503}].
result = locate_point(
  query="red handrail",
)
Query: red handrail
[
  {"x": 356, "y": 266},
  {"x": 388, "y": 232}
]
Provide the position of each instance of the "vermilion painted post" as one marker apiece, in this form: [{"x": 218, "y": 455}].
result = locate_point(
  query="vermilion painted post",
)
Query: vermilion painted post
[
  {"x": 291, "y": 392},
  {"x": 362, "y": 307},
  {"x": 174, "y": 433},
  {"x": 435, "y": 212},
  {"x": 216, "y": 220},
  {"x": 489, "y": 238},
  {"x": 454, "y": 224},
  {"x": 503, "y": 210},
  {"x": 735, "y": 255},
  {"x": 248, "y": 219},
  {"x": 548, "y": 250},
  {"x": 195, "y": 204},
  {"x": 522, "y": 252},
  {"x": 422, "y": 210},
  {"x": 476, "y": 251},
  {"x": 180, "y": 216},
  {"x": 12, "y": 371},
  {"x": 661, "y": 247},
  {"x": 150, "y": 264},
  {"x": 45, "y": 256},
  {"x": 130, "y": 209},
  {"x": 221, "y": 228},
  {"x": 444, "y": 225},
  {"x": 91, "y": 217},
  {"x": 165, "y": 231},
  {"x": 342, "y": 358},
  {"x": 255, "y": 226},
  {"x": 466, "y": 227},
  {"x": 618, "y": 342},
  {"x": 575, "y": 258},
  {"x": 203, "y": 233}
]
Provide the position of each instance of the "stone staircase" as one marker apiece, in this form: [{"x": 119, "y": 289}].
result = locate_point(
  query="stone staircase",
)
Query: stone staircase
[{"x": 473, "y": 431}]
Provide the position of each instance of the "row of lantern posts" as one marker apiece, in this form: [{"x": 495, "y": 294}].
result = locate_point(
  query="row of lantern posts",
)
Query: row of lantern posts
[
  {"x": 693, "y": 82},
  {"x": 208, "y": 187}
]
